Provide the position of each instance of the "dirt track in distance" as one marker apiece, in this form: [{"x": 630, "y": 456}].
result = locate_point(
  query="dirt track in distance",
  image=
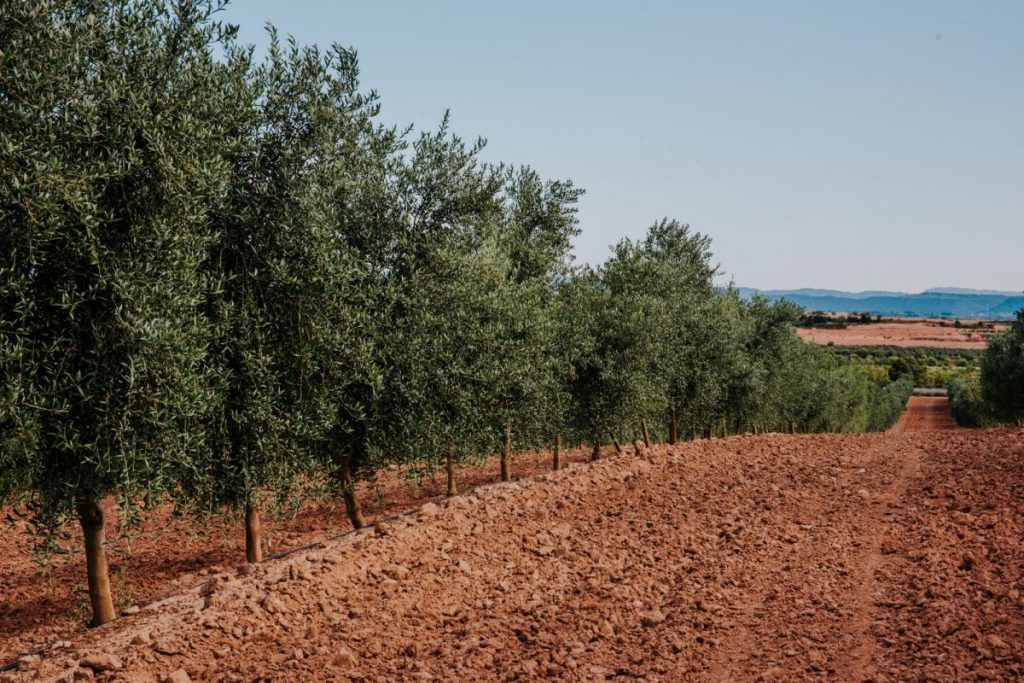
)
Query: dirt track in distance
[
  {"x": 879, "y": 557},
  {"x": 925, "y": 414}
]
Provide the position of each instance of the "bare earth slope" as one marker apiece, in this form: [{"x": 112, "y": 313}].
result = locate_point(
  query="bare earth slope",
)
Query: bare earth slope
[
  {"x": 908, "y": 332},
  {"x": 827, "y": 557}
]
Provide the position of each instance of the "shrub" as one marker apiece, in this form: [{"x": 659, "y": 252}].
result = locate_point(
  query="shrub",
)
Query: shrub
[
  {"x": 1002, "y": 372},
  {"x": 967, "y": 403}
]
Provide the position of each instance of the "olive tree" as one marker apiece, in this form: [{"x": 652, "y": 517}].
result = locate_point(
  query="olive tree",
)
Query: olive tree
[
  {"x": 694, "y": 351},
  {"x": 472, "y": 255},
  {"x": 441, "y": 261},
  {"x": 613, "y": 381},
  {"x": 112, "y": 135},
  {"x": 654, "y": 344},
  {"x": 534, "y": 235},
  {"x": 283, "y": 306}
]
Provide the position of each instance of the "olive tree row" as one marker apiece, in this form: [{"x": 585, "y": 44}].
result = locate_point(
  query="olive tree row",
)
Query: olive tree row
[
  {"x": 654, "y": 341},
  {"x": 223, "y": 281}
]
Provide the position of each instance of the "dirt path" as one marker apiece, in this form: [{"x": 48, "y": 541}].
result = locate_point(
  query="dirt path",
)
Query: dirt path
[
  {"x": 925, "y": 414},
  {"x": 862, "y": 660},
  {"x": 879, "y": 557},
  {"x": 810, "y": 605}
]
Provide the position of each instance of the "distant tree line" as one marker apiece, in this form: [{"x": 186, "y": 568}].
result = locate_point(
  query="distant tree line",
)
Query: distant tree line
[
  {"x": 835, "y": 321},
  {"x": 222, "y": 280},
  {"x": 926, "y": 367}
]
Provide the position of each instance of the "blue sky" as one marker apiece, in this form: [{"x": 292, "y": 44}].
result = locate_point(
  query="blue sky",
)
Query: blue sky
[{"x": 852, "y": 145}]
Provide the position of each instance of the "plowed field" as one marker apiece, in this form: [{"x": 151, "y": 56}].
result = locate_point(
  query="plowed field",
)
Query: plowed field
[
  {"x": 908, "y": 333},
  {"x": 881, "y": 557}
]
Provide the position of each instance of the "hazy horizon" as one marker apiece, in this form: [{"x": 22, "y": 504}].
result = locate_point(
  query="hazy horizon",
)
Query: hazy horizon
[
  {"x": 970, "y": 290},
  {"x": 845, "y": 146}
]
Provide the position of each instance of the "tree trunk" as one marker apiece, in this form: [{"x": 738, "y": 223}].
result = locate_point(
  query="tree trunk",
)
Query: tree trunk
[
  {"x": 792, "y": 427},
  {"x": 673, "y": 433},
  {"x": 693, "y": 433},
  {"x": 348, "y": 492},
  {"x": 555, "y": 452},
  {"x": 615, "y": 442},
  {"x": 449, "y": 469},
  {"x": 253, "y": 535},
  {"x": 725, "y": 429},
  {"x": 506, "y": 454},
  {"x": 646, "y": 433},
  {"x": 90, "y": 515},
  {"x": 596, "y": 453}
]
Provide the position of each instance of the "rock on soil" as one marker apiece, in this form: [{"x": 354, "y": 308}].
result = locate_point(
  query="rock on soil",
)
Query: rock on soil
[
  {"x": 101, "y": 662},
  {"x": 178, "y": 676}
]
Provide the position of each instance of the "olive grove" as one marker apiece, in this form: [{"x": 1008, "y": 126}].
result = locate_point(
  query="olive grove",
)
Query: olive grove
[{"x": 223, "y": 281}]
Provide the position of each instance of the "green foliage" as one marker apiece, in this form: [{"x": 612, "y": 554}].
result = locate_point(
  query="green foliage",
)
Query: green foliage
[
  {"x": 940, "y": 376},
  {"x": 650, "y": 333},
  {"x": 994, "y": 394},
  {"x": 926, "y": 367},
  {"x": 113, "y": 138},
  {"x": 888, "y": 402},
  {"x": 468, "y": 350},
  {"x": 834, "y": 321},
  {"x": 287, "y": 329},
  {"x": 816, "y": 389},
  {"x": 967, "y": 404},
  {"x": 875, "y": 373},
  {"x": 1002, "y": 372}
]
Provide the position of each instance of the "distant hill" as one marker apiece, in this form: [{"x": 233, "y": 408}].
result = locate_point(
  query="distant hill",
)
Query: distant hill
[
  {"x": 961, "y": 290},
  {"x": 950, "y": 302},
  {"x": 824, "y": 292}
]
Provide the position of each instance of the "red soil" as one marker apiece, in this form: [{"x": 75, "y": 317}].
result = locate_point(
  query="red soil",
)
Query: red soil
[
  {"x": 45, "y": 599},
  {"x": 877, "y": 557},
  {"x": 906, "y": 333}
]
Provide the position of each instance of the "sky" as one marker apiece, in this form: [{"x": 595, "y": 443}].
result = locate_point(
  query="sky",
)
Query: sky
[{"x": 849, "y": 145}]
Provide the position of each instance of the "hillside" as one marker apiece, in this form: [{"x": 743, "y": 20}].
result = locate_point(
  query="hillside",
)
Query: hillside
[{"x": 948, "y": 302}]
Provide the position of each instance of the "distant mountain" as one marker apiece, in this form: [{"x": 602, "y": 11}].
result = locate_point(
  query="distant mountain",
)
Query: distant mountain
[
  {"x": 961, "y": 290},
  {"x": 820, "y": 292},
  {"x": 950, "y": 302}
]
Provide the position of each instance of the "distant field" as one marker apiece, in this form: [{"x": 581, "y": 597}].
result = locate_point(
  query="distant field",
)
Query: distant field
[{"x": 905, "y": 332}]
